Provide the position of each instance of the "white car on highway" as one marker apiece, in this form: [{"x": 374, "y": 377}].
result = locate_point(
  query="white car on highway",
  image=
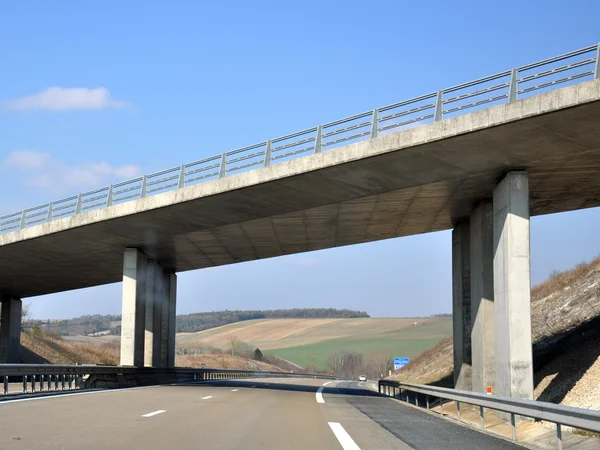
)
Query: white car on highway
[{"x": 362, "y": 378}]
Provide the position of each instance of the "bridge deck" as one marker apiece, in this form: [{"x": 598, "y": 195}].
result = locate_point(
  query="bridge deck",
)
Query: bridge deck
[{"x": 414, "y": 181}]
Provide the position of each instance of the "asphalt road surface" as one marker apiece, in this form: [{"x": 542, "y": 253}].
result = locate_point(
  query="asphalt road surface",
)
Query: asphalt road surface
[{"x": 227, "y": 414}]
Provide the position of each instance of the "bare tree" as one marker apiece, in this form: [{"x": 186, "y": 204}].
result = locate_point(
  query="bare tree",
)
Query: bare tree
[
  {"x": 233, "y": 342},
  {"x": 27, "y": 321}
]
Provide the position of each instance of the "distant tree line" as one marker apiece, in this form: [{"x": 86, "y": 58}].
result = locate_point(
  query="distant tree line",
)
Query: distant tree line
[
  {"x": 202, "y": 321},
  {"x": 190, "y": 322}
]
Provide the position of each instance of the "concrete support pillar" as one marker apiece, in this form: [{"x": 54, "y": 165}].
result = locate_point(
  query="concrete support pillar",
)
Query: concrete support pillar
[
  {"x": 133, "y": 307},
  {"x": 482, "y": 297},
  {"x": 172, "y": 317},
  {"x": 461, "y": 305},
  {"x": 152, "y": 322},
  {"x": 161, "y": 295},
  {"x": 10, "y": 330},
  {"x": 512, "y": 287}
]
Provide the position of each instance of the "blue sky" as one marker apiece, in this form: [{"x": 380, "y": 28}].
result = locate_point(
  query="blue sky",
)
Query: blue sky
[{"x": 163, "y": 83}]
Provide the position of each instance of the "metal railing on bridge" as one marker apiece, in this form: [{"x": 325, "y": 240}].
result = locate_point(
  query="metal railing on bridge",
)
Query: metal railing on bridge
[
  {"x": 19, "y": 379},
  {"x": 503, "y": 87},
  {"x": 427, "y": 396}
]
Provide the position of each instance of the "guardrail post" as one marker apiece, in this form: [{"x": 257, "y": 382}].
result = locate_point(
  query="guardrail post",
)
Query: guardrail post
[
  {"x": 24, "y": 384},
  {"x": 22, "y": 223},
  {"x": 223, "y": 168},
  {"x": 458, "y": 410},
  {"x": 49, "y": 217},
  {"x": 144, "y": 186},
  {"x": 597, "y": 65},
  {"x": 513, "y": 85},
  {"x": 70, "y": 381},
  {"x": 5, "y": 385},
  {"x": 78, "y": 206},
  {"x": 318, "y": 143},
  {"x": 109, "y": 197},
  {"x": 62, "y": 380},
  {"x": 427, "y": 401},
  {"x": 439, "y": 107},
  {"x": 559, "y": 436},
  {"x": 513, "y": 426},
  {"x": 41, "y": 383},
  {"x": 33, "y": 383},
  {"x": 268, "y": 154},
  {"x": 481, "y": 417},
  {"x": 375, "y": 124},
  {"x": 181, "y": 177}
]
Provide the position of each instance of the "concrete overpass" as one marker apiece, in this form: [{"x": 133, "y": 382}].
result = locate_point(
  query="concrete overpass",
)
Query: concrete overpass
[{"x": 481, "y": 174}]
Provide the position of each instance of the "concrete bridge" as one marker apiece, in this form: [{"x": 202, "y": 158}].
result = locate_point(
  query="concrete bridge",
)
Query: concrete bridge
[{"x": 482, "y": 174}]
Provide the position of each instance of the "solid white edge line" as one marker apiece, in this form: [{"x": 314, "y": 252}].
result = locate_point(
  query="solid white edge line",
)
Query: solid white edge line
[
  {"x": 207, "y": 397},
  {"x": 154, "y": 413},
  {"x": 71, "y": 394},
  {"x": 343, "y": 437},
  {"x": 319, "y": 394}
]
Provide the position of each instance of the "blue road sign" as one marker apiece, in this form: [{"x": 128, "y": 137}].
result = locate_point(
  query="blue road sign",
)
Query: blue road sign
[{"x": 400, "y": 362}]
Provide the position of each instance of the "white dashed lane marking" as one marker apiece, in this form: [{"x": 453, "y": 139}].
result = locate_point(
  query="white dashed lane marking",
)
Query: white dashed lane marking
[
  {"x": 154, "y": 413},
  {"x": 343, "y": 437}
]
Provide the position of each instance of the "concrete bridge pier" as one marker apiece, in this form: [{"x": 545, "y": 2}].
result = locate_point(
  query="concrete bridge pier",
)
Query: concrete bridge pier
[
  {"x": 482, "y": 297},
  {"x": 10, "y": 329},
  {"x": 461, "y": 305},
  {"x": 491, "y": 293},
  {"x": 148, "y": 317},
  {"x": 512, "y": 287}
]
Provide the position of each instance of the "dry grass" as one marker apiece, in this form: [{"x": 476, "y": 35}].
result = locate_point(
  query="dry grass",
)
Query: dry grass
[
  {"x": 268, "y": 334},
  {"x": 223, "y": 362},
  {"x": 43, "y": 348},
  {"x": 40, "y": 349},
  {"x": 565, "y": 301}
]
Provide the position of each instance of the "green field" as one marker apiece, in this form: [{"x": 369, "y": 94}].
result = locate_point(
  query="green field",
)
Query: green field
[{"x": 407, "y": 342}]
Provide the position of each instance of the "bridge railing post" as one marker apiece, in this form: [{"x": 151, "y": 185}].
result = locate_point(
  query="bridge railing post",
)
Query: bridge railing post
[
  {"x": 513, "y": 87},
  {"x": 439, "y": 107},
  {"x": 109, "y": 197},
  {"x": 597, "y": 65},
  {"x": 181, "y": 177},
  {"x": 375, "y": 124},
  {"x": 78, "y": 206},
  {"x": 318, "y": 143},
  {"x": 144, "y": 187},
  {"x": 223, "y": 168},
  {"x": 268, "y": 154}
]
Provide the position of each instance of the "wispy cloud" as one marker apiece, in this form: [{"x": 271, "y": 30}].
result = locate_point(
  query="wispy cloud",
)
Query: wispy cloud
[
  {"x": 44, "y": 172},
  {"x": 65, "y": 99}
]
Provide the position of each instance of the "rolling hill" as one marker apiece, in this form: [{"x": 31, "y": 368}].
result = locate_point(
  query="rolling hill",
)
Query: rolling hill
[{"x": 310, "y": 341}]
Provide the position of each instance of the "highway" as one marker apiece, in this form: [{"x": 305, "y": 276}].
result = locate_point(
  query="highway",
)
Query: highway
[{"x": 249, "y": 414}]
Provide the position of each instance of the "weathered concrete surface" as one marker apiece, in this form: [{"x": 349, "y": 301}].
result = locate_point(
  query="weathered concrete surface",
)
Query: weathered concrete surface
[
  {"x": 148, "y": 326},
  {"x": 133, "y": 307},
  {"x": 415, "y": 181},
  {"x": 461, "y": 305},
  {"x": 482, "y": 297},
  {"x": 512, "y": 287},
  {"x": 10, "y": 330}
]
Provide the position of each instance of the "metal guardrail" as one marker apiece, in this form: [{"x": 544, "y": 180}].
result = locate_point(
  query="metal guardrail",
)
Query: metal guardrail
[
  {"x": 37, "y": 378},
  {"x": 504, "y": 87},
  {"x": 584, "y": 419}
]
